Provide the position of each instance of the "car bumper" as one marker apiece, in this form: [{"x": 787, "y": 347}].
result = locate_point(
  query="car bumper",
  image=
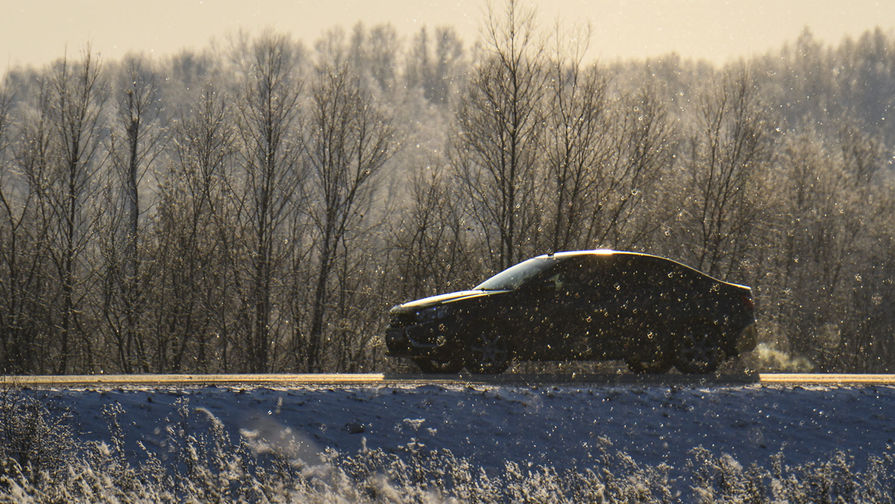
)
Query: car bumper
[
  {"x": 747, "y": 339},
  {"x": 422, "y": 340}
]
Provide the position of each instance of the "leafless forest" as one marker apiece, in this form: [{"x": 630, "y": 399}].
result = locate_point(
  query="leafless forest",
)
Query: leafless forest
[{"x": 258, "y": 206}]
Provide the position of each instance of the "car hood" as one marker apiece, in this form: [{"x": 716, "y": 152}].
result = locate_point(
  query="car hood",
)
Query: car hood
[{"x": 442, "y": 299}]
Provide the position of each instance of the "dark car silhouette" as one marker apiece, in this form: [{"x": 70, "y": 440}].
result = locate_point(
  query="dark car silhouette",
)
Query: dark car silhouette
[{"x": 651, "y": 312}]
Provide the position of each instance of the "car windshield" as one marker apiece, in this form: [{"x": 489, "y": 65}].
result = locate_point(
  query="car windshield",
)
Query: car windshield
[{"x": 512, "y": 278}]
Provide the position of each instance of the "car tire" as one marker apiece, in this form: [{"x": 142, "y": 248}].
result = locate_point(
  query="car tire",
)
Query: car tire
[
  {"x": 488, "y": 353},
  {"x": 698, "y": 351},
  {"x": 651, "y": 356},
  {"x": 431, "y": 366}
]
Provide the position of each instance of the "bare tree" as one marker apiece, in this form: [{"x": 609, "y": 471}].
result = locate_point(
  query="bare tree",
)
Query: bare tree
[
  {"x": 20, "y": 250},
  {"x": 267, "y": 121},
  {"x": 437, "y": 72},
  {"x": 430, "y": 239},
  {"x": 862, "y": 154},
  {"x": 806, "y": 266},
  {"x": 373, "y": 54},
  {"x": 29, "y": 320},
  {"x": 494, "y": 149},
  {"x": 576, "y": 142},
  {"x": 626, "y": 207},
  {"x": 193, "y": 246},
  {"x": 832, "y": 254},
  {"x": 76, "y": 99},
  {"x": 726, "y": 158},
  {"x": 13, "y": 349},
  {"x": 133, "y": 145},
  {"x": 348, "y": 140}
]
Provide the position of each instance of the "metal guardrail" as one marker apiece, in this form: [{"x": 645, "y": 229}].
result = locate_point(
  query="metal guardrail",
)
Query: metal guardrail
[{"x": 609, "y": 379}]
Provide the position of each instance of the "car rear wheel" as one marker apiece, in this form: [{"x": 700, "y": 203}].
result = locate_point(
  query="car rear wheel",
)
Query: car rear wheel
[
  {"x": 436, "y": 367},
  {"x": 698, "y": 352},
  {"x": 651, "y": 357},
  {"x": 488, "y": 353}
]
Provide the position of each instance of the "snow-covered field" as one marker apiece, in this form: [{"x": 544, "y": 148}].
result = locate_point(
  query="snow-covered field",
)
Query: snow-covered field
[
  {"x": 570, "y": 429},
  {"x": 554, "y": 426}
]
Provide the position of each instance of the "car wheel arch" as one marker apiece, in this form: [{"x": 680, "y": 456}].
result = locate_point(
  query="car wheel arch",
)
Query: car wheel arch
[
  {"x": 488, "y": 350},
  {"x": 699, "y": 347}
]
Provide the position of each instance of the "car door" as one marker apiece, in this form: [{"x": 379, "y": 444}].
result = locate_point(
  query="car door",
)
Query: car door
[
  {"x": 643, "y": 301},
  {"x": 621, "y": 302},
  {"x": 527, "y": 313},
  {"x": 568, "y": 309}
]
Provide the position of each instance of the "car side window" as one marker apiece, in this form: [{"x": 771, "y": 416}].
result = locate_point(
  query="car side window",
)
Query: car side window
[
  {"x": 685, "y": 283},
  {"x": 633, "y": 281},
  {"x": 658, "y": 278},
  {"x": 578, "y": 279},
  {"x": 608, "y": 277},
  {"x": 545, "y": 284},
  {"x": 570, "y": 280},
  {"x": 627, "y": 278}
]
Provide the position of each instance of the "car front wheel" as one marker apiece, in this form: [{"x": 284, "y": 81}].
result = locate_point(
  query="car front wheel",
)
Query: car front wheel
[
  {"x": 488, "y": 353},
  {"x": 437, "y": 367},
  {"x": 698, "y": 352}
]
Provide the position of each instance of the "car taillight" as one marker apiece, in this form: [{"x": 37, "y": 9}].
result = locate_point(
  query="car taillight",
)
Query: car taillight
[{"x": 748, "y": 301}]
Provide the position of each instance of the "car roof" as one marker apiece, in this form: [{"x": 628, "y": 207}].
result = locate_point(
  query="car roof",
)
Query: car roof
[
  {"x": 604, "y": 252},
  {"x": 610, "y": 252}
]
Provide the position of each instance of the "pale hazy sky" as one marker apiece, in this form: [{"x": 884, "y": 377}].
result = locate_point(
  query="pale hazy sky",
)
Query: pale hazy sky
[{"x": 34, "y": 32}]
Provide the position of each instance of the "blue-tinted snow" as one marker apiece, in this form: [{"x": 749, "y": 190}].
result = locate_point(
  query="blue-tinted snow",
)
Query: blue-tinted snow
[{"x": 562, "y": 427}]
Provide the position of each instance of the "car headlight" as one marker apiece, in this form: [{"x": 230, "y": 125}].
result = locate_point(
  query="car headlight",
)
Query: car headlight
[{"x": 433, "y": 313}]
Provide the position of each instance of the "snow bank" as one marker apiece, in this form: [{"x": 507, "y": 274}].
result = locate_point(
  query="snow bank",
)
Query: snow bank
[
  {"x": 552, "y": 426},
  {"x": 662, "y": 439}
]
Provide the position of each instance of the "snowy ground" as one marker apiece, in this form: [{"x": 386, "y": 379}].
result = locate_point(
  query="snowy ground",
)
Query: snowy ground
[{"x": 556, "y": 426}]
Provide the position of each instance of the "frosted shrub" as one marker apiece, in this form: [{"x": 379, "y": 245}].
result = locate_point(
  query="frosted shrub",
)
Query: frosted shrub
[
  {"x": 723, "y": 480},
  {"x": 627, "y": 481},
  {"x": 720, "y": 479},
  {"x": 836, "y": 480},
  {"x": 208, "y": 466},
  {"x": 439, "y": 475},
  {"x": 34, "y": 443},
  {"x": 199, "y": 462}
]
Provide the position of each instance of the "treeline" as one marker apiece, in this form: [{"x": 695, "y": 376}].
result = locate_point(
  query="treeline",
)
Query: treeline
[{"x": 259, "y": 208}]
